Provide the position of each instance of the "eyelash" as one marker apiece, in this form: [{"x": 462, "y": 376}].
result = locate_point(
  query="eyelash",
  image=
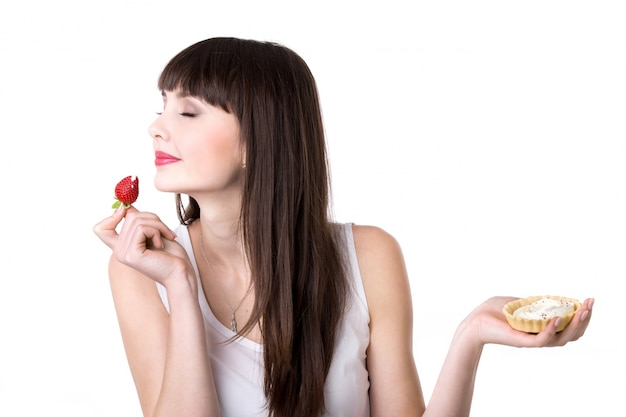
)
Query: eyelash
[{"x": 182, "y": 114}]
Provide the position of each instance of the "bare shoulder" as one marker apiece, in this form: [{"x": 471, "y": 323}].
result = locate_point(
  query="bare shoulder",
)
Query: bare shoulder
[
  {"x": 382, "y": 265},
  {"x": 374, "y": 240}
]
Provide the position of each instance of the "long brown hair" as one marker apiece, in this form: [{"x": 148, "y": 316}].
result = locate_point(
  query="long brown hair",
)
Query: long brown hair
[{"x": 285, "y": 219}]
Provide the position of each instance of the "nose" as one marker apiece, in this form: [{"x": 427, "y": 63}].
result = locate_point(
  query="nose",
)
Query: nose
[{"x": 157, "y": 130}]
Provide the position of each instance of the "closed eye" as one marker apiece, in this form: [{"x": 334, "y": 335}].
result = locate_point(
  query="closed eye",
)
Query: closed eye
[{"x": 188, "y": 114}]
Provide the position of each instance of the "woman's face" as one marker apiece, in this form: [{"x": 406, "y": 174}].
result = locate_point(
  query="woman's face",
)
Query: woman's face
[{"x": 197, "y": 147}]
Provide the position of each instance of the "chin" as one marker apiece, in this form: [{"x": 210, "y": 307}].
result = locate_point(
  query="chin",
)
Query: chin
[{"x": 165, "y": 186}]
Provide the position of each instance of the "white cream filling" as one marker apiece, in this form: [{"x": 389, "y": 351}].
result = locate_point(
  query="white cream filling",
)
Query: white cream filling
[{"x": 545, "y": 309}]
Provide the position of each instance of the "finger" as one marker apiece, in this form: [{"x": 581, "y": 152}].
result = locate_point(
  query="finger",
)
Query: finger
[
  {"x": 576, "y": 328},
  {"x": 135, "y": 217},
  {"x": 147, "y": 235},
  {"x": 105, "y": 229},
  {"x": 546, "y": 336},
  {"x": 163, "y": 238},
  {"x": 581, "y": 319},
  {"x": 139, "y": 232}
]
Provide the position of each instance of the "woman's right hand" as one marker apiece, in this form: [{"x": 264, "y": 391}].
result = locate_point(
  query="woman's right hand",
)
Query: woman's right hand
[{"x": 144, "y": 243}]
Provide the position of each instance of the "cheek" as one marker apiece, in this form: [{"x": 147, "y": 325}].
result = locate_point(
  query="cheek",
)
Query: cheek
[
  {"x": 218, "y": 152},
  {"x": 224, "y": 141}
]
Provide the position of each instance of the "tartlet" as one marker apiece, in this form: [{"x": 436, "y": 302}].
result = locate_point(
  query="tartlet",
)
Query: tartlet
[{"x": 532, "y": 314}]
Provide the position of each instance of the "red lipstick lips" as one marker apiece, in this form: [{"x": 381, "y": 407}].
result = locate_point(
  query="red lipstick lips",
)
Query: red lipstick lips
[{"x": 162, "y": 158}]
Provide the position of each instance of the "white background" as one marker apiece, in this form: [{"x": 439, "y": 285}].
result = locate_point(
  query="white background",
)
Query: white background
[{"x": 487, "y": 136}]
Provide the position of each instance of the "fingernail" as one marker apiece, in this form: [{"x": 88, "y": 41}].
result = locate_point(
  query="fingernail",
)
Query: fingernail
[
  {"x": 590, "y": 305},
  {"x": 583, "y": 316},
  {"x": 557, "y": 322}
]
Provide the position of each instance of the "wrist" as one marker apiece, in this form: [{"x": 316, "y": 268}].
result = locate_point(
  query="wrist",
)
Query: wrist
[
  {"x": 181, "y": 286},
  {"x": 467, "y": 334}
]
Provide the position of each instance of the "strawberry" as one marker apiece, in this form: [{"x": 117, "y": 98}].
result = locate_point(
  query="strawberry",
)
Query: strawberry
[{"x": 126, "y": 191}]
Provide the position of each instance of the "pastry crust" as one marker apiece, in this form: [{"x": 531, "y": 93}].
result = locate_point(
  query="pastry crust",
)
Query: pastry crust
[{"x": 537, "y": 325}]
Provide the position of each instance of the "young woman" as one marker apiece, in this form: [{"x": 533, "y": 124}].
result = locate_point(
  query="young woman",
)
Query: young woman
[{"x": 258, "y": 304}]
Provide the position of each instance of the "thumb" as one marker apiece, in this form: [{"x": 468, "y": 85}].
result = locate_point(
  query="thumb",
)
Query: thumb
[{"x": 105, "y": 229}]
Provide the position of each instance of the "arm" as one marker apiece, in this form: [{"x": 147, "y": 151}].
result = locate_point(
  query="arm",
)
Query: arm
[
  {"x": 487, "y": 325},
  {"x": 167, "y": 353},
  {"x": 395, "y": 388}
]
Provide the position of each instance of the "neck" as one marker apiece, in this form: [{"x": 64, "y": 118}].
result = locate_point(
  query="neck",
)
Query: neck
[{"x": 223, "y": 244}]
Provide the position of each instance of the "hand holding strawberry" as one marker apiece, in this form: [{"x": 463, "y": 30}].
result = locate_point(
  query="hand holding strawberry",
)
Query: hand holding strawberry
[
  {"x": 126, "y": 191},
  {"x": 140, "y": 240}
]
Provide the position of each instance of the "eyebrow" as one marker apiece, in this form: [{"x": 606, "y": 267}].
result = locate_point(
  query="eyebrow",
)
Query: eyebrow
[{"x": 178, "y": 94}]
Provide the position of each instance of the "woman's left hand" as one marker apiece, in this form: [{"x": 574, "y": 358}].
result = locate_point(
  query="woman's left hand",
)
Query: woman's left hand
[{"x": 491, "y": 326}]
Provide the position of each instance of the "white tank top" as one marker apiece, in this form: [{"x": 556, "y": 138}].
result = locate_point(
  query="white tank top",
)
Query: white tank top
[{"x": 238, "y": 366}]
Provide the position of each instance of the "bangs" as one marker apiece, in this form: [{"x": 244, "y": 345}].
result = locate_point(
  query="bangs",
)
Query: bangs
[{"x": 210, "y": 70}]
